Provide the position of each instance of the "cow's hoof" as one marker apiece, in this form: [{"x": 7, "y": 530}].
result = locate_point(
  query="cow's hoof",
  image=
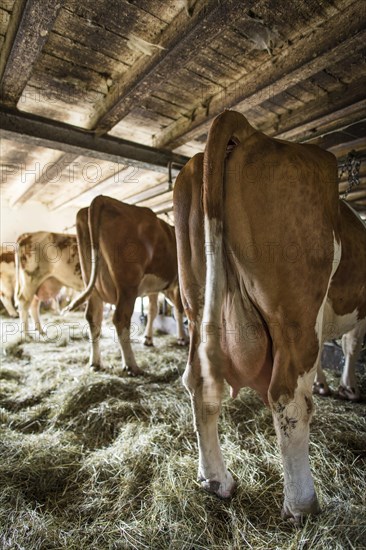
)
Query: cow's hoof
[
  {"x": 296, "y": 516},
  {"x": 222, "y": 490},
  {"x": 322, "y": 389},
  {"x": 95, "y": 367},
  {"x": 182, "y": 342},
  {"x": 348, "y": 393},
  {"x": 148, "y": 342},
  {"x": 133, "y": 370},
  {"x": 26, "y": 338}
]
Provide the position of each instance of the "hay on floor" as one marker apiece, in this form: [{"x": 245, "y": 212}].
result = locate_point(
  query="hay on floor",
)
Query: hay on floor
[{"x": 101, "y": 460}]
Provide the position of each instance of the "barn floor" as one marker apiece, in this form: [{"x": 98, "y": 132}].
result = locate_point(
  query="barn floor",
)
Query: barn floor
[{"x": 100, "y": 460}]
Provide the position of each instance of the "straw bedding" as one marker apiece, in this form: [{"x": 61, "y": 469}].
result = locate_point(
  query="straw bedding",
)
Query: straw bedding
[{"x": 101, "y": 460}]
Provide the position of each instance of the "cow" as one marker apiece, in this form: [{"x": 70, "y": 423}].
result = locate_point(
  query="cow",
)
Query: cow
[
  {"x": 270, "y": 262},
  {"x": 348, "y": 388},
  {"x": 7, "y": 280},
  {"x": 351, "y": 341},
  {"x": 126, "y": 251},
  {"x": 45, "y": 262}
]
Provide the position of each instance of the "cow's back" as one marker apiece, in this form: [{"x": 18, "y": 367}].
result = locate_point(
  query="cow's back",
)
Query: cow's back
[{"x": 135, "y": 247}]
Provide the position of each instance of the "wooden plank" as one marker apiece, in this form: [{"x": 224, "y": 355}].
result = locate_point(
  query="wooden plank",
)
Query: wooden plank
[
  {"x": 349, "y": 69},
  {"x": 34, "y": 130},
  {"x": 342, "y": 150},
  {"x": 78, "y": 54},
  {"x": 119, "y": 16},
  {"x": 90, "y": 34},
  {"x": 357, "y": 192},
  {"x": 70, "y": 75},
  {"x": 315, "y": 115},
  {"x": 4, "y": 21},
  {"x": 181, "y": 40},
  {"x": 51, "y": 173},
  {"x": 343, "y": 121},
  {"x": 161, "y": 107},
  {"x": 28, "y": 29},
  {"x": 291, "y": 65},
  {"x": 84, "y": 191},
  {"x": 8, "y": 5}
]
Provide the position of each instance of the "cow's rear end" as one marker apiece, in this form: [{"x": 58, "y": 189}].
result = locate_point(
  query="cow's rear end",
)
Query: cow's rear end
[{"x": 271, "y": 233}]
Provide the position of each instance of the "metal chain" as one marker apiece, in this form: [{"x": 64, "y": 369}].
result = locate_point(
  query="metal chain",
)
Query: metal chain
[{"x": 352, "y": 166}]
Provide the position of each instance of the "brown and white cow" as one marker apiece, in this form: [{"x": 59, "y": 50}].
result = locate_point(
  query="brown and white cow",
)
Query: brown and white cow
[
  {"x": 7, "y": 280},
  {"x": 45, "y": 262},
  {"x": 256, "y": 261},
  {"x": 126, "y": 251},
  {"x": 348, "y": 388},
  {"x": 49, "y": 291},
  {"x": 347, "y": 285}
]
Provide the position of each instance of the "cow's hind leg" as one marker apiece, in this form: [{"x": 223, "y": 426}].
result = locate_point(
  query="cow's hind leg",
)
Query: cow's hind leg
[
  {"x": 23, "y": 307},
  {"x": 206, "y": 394},
  {"x": 8, "y": 304},
  {"x": 122, "y": 322},
  {"x": 34, "y": 312},
  {"x": 174, "y": 296},
  {"x": 320, "y": 386},
  {"x": 291, "y": 420},
  {"x": 94, "y": 316},
  {"x": 351, "y": 345},
  {"x": 151, "y": 315}
]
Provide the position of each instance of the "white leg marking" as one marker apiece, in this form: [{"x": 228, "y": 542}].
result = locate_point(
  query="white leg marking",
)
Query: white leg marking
[
  {"x": 95, "y": 357},
  {"x": 9, "y": 306},
  {"x": 181, "y": 334},
  {"x": 152, "y": 313},
  {"x": 291, "y": 421},
  {"x": 128, "y": 357},
  {"x": 351, "y": 345}
]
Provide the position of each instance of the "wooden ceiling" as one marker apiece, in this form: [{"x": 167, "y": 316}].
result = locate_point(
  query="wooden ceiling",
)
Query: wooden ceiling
[{"x": 99, "y": 96}]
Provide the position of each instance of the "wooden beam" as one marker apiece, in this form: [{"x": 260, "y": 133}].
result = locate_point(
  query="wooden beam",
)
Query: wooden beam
[
  {"x": 344, "y": 183},
  {"x": 340, "y": 135},
  {"x": 38, "y": 131},
  {"x": 361, "y": 186},
  {"x": 96, "y": 188},
  {"x": 342, "y": 150},
  {"x": 151, "y": 193},
  {"x": 181, "y": 41},
  {"x": 52, "y": 172},
  {"x": 349, "y": 106},
  {"x": 29, "y": 25},
  {"x": 328, "y": 44}
]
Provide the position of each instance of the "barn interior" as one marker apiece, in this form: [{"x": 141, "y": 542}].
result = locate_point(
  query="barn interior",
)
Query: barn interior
[{"x": 113, "y": 97}]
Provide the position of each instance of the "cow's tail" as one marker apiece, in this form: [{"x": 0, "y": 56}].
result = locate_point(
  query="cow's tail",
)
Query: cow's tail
[
  {"x": 227, "y": 130},
  {"x": 94, "y": 214}
]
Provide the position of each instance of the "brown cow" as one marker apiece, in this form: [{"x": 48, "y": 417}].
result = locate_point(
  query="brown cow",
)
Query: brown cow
[
  {"x": 126, "y": 251},
  {"x": 255, "y": 264},
  {"x": 7, "y": 280},
  {"x": 45, "y": 262}
]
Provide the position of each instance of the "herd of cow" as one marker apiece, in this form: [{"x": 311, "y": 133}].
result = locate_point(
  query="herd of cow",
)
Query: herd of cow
[{"x": 266, "y": 262}]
